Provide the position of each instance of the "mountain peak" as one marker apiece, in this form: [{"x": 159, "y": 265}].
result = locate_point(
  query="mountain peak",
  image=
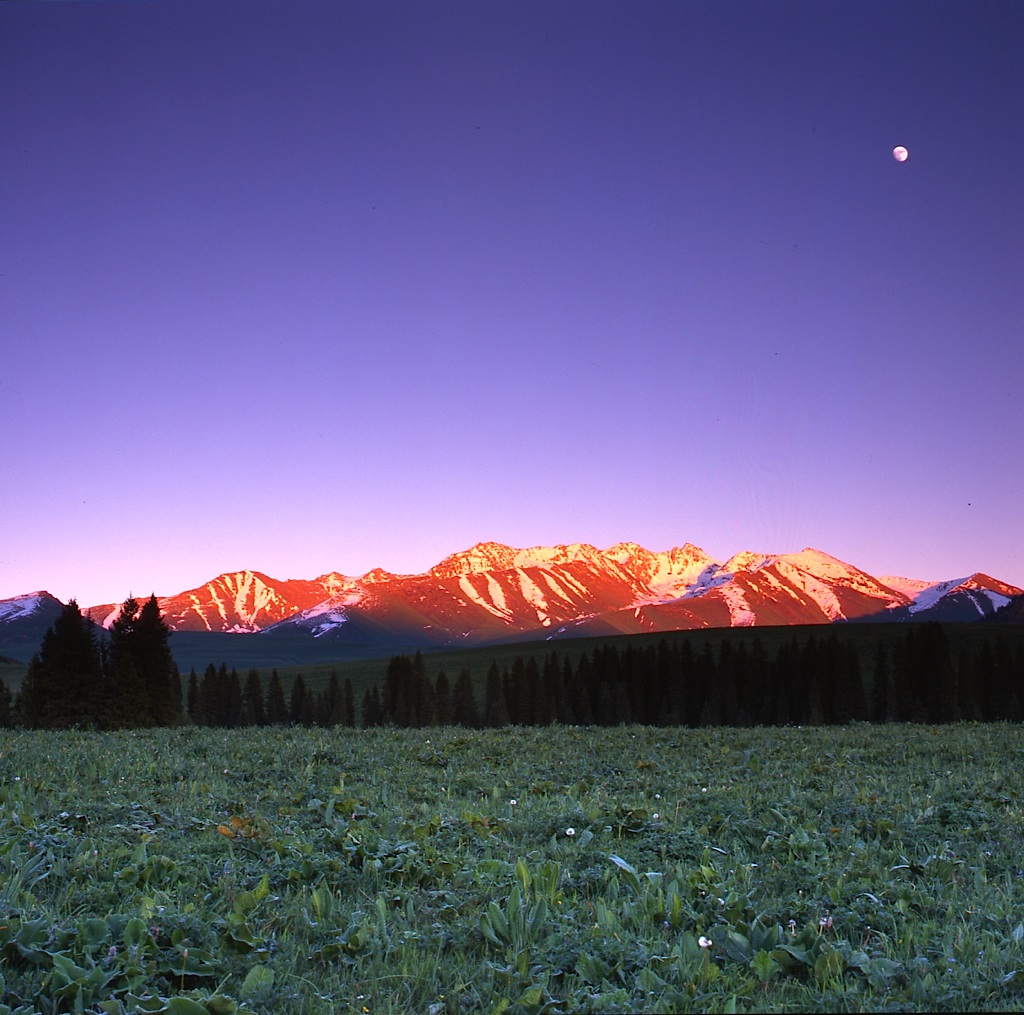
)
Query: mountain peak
[
  {"x": 495, "y": 592},
  {"x": 486, "y": 556}
]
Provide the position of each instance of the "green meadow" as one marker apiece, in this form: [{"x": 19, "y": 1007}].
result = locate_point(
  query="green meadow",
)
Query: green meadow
[{"x": 528, "y": 870}]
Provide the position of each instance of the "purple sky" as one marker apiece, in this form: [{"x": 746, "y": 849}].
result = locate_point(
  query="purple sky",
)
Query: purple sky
[{"x": 310, "y": 286}]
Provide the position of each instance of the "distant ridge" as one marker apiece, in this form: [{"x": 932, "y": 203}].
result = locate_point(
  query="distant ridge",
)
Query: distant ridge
[{"x": 492, "y": 592}]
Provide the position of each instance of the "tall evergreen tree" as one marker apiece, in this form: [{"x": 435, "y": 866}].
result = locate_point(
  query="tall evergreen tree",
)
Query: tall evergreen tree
[
  {"x": 63, "y": 685},
  {"x": 156, "y": 665},
  {"x": 144, "y": 688},
  {"x": 332, "y": 708},
  {"x": 464, "y": 707},
  {"x": 7, "y": 714},
  {"x": 495, "y": 712},
  {"x": 277, "y": 707},
  {"x": 192, "y": 701},
  {"x": 349, "y": 703},
  {"x": 297, "y": 700},
  {"x": 125, "y": 695},
  {"x": 442, "y": 699},
  {"x": 372, "y": 712},
  {"x": 253, "y": 705}
]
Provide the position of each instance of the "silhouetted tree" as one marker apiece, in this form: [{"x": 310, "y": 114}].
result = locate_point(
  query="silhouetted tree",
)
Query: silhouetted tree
[
  {"x": 297, "y": 700},
  {"x": 443, "y": 699},
  {"x": 253, "y": 705},
  {"x": 63, "y": 685},
  {"x": 495, "y": 712},
  {"x": 464, "y": 710},
  {"x": 277, "y": 708}
]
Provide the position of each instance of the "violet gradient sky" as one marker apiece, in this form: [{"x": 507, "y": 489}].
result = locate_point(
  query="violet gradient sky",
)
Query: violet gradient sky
[{"x": 308, "y": 286}]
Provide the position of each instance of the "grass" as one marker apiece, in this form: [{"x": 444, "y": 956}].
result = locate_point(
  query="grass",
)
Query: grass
[{"x": 519, "y": 870}]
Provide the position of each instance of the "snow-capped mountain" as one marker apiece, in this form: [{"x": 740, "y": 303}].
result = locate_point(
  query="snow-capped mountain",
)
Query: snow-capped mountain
[
  {"x": 239, "y": 602},
  {"x": 23, "y": 622},
  {"x": 493, "y": 592},
  {"x": 955, "y": 599}
]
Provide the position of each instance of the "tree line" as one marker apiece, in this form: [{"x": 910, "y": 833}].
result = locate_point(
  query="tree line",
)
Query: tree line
[
  {"x": 124, "y": 678},
  {"x": 127, "y": 678},
  {"x": 221, "y": 698},
  {"x": 914, "y": 677}
]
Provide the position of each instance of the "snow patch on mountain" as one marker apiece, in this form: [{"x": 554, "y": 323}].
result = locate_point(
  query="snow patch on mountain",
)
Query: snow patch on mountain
[
  {"x": 909, "y": 587},
  {"x": 712, "y": 577},
  {"x": 740, "y": 613},
  {"x": 930, "y": 595},
  {"x": 467, "y": 586},
  {"x": 534, "y": 596},
  {"x": 20, "y": 606},
  {"x": 747, "y": 560},
  {"x": 976, "y": 588},
  {"x": 497, "y": 594},
  {"x": 815, "y": 589}
]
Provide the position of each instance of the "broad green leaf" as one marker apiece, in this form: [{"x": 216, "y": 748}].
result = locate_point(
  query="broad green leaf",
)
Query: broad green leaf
[
  {"x": 523, "y": 875},
  {"x": 259, "y": 978}
]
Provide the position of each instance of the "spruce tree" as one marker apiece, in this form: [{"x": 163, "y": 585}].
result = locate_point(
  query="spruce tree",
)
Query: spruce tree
[
  {"x": 372, "y": 711},
  {"x": 442, "y": 699},
  {"x": 253, "y": 710},
  {"x": 156, "y": 665},
  {"x": 6, "y": 706},
  {"x": 125, "y": 695},
  {"x": 297, "y": 700},
  {"x": 277, "y": 708},
  {"x": 465, "y": 711},
  {"x": 495, "y": 712},
  {"x": 144, "y": 688},
  {"x": 332, "y": 707},
  {"x": 192, "y": 701},
  {"x": 63, "y": 685},
  {"x": 349, "y": 702}
]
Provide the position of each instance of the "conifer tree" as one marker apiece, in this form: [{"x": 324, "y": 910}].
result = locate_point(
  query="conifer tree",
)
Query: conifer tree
[
  {"x": 495, "y": 712},
  {"x": 6, "y": 706},
  {"x": 156, "y": 665},
  {"x": 277, "y": 708},
  {"x": 205, "y": 713},
  {"x": 349, "y": 702},
  {"x": 253, "y": 708},
  {"x": 332, "y": 708},
  {"x": 125, "y": 695},
  {"x": 442, "y": 699},
  {"x": 144, "y": 688},
  {"x": 62, "y": 687},
  {"x": 464, "y": 707},
  {"x": 297, "y": 700},
  {"x": 192, "y": 701},
  {"x": 232, "y": 705},
  {"x": 372, "y": 711}
]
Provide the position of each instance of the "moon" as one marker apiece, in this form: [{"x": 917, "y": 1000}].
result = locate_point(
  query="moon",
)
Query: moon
[{"x": 899, "y": 153}]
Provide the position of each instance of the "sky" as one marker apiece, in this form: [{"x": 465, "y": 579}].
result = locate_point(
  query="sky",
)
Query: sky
[{"x": 326, "y": 286}]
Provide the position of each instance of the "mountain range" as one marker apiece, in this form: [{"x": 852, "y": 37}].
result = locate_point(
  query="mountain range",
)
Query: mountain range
[{"x": 493, "y": 593}]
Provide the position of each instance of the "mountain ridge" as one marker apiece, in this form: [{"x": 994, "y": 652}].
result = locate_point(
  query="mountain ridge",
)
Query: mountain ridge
[{"x": 494, "y": 592}]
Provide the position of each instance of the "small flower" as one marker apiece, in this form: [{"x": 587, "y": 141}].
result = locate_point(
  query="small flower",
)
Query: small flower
[
  {"x": 703, "y": 789},
  {"x": 570, "y": 832},
  {"x": 704, "y": 942},
  {"x": 792, "y": 928},
  {"x": 513, "y": 802},
  {"x": 657, "y": 796},
  {"x": 656, "y": 815}
]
